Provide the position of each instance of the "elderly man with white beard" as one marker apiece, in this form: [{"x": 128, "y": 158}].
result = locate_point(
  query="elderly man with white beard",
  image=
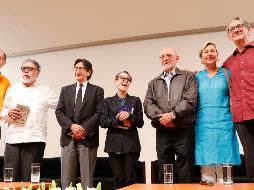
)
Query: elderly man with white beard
[
  {"x": 170, "y": 104},
  {"x": 25, "y": 109}
]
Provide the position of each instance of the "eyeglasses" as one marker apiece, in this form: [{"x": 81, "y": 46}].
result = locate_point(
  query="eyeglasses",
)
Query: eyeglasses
[
  {"x": 238, "y": 26},
  {"x": 27, "y": 68},
  {"x": 168, "y": 56},
  {"x": 124, "y": 78},
  {"x": 79, "y": 68}
]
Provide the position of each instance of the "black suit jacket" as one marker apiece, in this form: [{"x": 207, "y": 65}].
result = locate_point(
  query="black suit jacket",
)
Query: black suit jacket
[
  {"x": 89, "y": 114},
  {"x": 119, "y": 140}
]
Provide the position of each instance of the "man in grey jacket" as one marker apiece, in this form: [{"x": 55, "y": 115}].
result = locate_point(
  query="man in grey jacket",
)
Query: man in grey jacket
[{"x": 170, "y": 103}]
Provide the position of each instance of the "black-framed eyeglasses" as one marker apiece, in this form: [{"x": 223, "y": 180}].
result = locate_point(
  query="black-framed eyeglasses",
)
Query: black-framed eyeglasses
[
  {"x": 27, "y": 68},
  {"x": 124, "y": 78},
  {"x": 238, "y": 26}
]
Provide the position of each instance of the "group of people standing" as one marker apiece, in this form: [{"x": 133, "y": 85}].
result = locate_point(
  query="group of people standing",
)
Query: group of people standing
[{"x": 195, "y": 115}]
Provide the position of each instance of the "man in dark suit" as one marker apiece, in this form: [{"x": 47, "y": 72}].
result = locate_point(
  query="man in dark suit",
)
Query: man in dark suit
[
  {"x": 78, "y": 114},
  {"x": 170, "y": 103}
]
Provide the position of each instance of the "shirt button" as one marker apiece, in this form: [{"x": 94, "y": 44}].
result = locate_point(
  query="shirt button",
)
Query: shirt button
[
  {"x": 241, "y": 62},
  {"x": 243, "y": 90},
  {"x": 244, "y": 100},
  {"x": 242, "y": 80}
]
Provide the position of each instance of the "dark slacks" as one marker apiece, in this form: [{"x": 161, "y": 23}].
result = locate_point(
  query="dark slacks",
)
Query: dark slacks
[
  {"x": 124, "y": 166},
  {"x": 245, "y": 132},
  {"x": 178, "y": 143},
  {"x": 21, "y": 156}
]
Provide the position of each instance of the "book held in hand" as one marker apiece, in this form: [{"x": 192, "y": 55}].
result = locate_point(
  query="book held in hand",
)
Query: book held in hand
[
  {"x": 125, "y": 108},
  {"x": 24, "y": 114}
]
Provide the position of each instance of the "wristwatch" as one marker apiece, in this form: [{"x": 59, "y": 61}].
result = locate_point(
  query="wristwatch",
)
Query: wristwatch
[{"x": 173, "y": 115}]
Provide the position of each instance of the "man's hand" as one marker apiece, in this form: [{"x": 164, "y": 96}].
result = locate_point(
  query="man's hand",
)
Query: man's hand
[
  {"x": 127, "y": 123},
  {"x": 123, "y": 115},
  {"x": 166, "y": 119},
  {"x": 78, "y": 131},
  {"x": 14, "y": 113}
]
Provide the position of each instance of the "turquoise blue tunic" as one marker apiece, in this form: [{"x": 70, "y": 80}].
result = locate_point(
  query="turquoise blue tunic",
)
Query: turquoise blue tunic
[{"x": 215, "y": 136}]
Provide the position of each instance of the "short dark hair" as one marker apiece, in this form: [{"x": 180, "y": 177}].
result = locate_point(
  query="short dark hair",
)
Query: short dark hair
[
  {"x": 87, "y": 66},
  {"x": 36, "y": 64},
  {"x": 130, "y": 78}
]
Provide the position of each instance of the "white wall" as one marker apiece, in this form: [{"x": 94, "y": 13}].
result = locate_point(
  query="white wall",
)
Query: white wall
[{"x": 140, "y": 58}]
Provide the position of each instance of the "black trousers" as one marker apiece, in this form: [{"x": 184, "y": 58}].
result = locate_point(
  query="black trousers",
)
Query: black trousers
[
  {"x": 245, "y": 132},
  {"x": 178, "y": 143},
  {"x": 21, "y": 156},
  {"x": 124, "y": 166}
]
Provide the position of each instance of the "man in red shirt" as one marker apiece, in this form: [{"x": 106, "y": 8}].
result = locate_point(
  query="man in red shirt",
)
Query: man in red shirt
[{"x": 241, "y": 67}]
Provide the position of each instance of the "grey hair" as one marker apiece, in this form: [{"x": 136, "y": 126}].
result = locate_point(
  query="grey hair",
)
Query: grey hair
[
  {"x": 36, "y": 64},
  {"x": 245, "y": 23}
]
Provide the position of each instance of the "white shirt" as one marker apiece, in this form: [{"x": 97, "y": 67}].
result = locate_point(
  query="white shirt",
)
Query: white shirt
[
  {"x": 83, "y": 89},
  {"x": 167, "y": 77},
  {"x": 39, "y": 98}
]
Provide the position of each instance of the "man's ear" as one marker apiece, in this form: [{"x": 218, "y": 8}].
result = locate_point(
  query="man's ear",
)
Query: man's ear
[
  {"x": 38, "y": 73},
  {"x": 249, "y": 30}
]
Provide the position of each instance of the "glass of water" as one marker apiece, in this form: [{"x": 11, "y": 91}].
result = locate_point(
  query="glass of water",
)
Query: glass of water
[
  {"x": 35, "y": 172},
  {"x": 8, "y": 172},
  {"x": 227, "y": 174},
  {"x": 168, "y": 173}
]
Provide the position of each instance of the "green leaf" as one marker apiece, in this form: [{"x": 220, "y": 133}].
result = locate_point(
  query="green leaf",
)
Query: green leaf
[
  {"x": 98, "y": 186},
  {"x": 43, "y": 186},
  {"x": 30, "y": 187},
  {"x": 53, "y": 185},
  {"x": 22, "y": 186},
  {"x": 79, "y": 187}
]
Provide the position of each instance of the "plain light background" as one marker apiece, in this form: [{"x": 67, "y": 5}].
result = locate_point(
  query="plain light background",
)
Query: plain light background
[{"x": 140, "y": 58}]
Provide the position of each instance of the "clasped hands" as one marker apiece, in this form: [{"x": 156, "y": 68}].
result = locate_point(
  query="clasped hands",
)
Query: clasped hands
[
  {"x": 77, "y": 132},
  {"x": 123, "y": 116},
  {"x": 166, "y": 120}
]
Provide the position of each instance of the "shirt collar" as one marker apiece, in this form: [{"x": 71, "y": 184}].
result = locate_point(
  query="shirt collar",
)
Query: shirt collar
[
  {"x": 250, "y": 45},
  {"x": 84, "y": 84},
  {"x": 173, "y": 72}
]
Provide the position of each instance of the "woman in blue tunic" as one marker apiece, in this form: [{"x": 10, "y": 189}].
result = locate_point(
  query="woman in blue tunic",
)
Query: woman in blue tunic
[{"x": 215, "y": 136}]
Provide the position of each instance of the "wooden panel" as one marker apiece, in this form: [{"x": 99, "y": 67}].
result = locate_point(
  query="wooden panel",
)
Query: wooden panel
[{"x": 235, "y": 186}]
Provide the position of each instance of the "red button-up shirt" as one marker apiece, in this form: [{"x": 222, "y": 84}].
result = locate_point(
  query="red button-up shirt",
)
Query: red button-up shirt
[{"x": 241, "y": 68}]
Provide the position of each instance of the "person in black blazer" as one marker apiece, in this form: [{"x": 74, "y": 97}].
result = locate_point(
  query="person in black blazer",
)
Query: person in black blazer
[
  {"x": 122, "y": 114},
  {"x": 78, "y": 114}
]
